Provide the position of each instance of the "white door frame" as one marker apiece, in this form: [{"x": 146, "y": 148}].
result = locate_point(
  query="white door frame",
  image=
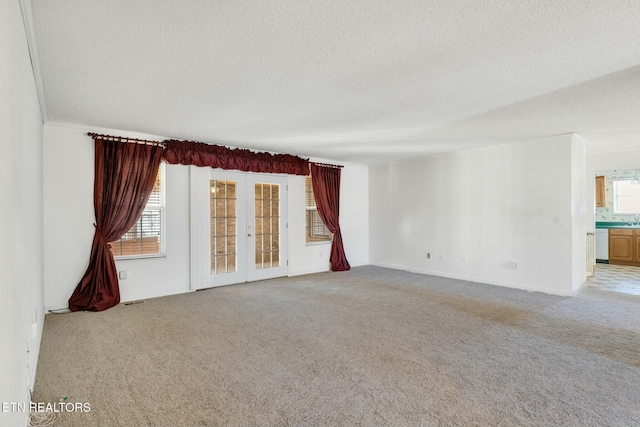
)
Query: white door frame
[
  {"x": 199, "y": 187},
  {"x": 253, "y": 273}
]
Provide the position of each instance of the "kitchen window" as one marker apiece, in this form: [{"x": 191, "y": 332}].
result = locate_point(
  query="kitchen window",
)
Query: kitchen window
[{"x": 626, "y": 197}]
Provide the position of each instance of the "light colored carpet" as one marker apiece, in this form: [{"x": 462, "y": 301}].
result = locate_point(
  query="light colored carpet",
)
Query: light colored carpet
[{"x": 371, "y": 346}]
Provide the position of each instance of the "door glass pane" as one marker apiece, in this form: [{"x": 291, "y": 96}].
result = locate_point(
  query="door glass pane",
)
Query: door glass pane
[
  {"x": 219, "y": 223},
  {"x": 267, "y": 225},
  {"x": 258, "y": 251},
  {"x": 231, "y": 245},
  {"x": 221, "y": 264},
  {"x": 222, "y": 224}
]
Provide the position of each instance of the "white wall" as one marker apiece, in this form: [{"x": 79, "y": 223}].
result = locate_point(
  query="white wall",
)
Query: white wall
[
  {"x": 579, "y": 217},
  {"x": 21, "y": 256},
  {"x": 482, "y": 213},
  {"x": 69, "y": 218}
]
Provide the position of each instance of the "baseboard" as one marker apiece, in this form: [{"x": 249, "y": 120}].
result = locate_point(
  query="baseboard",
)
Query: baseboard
[
  {"x": 520, "y": 286},
  {"x": 580, "y": 289},
  {"x": 55, "y": 307},
  {"x": 323, "y": 270},
  {"x": 36, "y": 350},
  {"x": 305, "y": 272},
  {"x": 134, "y": 297},
  {"x": 359, "y": 263},
  {"x": 165, "y": 293}
]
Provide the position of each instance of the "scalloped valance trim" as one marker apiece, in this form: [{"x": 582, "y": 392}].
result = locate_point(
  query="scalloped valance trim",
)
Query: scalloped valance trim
[{"x": 218, "y": 156}]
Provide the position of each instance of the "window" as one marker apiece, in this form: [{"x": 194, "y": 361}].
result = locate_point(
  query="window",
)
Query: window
[
  {"x": 626, "y": 197},
  {"x": 145, "y": 238},
  {"x": 316, "y": 230}
]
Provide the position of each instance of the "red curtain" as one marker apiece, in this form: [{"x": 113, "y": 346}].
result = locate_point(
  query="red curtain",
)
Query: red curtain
[
  {"x": 326, "y": 190},
  {"x": 217, "y": 156},
  {"x": 124, "y": 177}
]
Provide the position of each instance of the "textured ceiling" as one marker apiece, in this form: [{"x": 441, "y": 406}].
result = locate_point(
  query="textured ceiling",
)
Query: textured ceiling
[{"x": 355, "y": 81}]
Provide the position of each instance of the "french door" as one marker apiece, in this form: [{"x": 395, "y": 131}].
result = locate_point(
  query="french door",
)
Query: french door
[{"x": 238, "y": 227}]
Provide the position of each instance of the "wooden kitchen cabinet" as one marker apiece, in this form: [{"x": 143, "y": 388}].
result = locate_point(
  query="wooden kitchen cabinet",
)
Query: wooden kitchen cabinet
[
  {"x": 601, "y": 192},
  {"x": 624, "y": 246}
]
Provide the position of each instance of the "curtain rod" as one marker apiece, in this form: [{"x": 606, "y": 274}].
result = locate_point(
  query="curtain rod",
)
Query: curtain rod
[
  {"x": 327, "y": 165},
  {"x": 127, "y": 140},
  {"x": 163, "y": 144}
]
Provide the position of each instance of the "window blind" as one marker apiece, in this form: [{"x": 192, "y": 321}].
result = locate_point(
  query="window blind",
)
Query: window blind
[{"x": 145, "y": 237}]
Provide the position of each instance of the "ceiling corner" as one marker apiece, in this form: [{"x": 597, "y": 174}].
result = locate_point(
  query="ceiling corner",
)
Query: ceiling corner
[{"x": 27, "y": 18}]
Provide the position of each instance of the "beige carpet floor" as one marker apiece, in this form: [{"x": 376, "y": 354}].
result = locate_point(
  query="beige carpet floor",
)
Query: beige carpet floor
[{"x": 369, "y": 347}]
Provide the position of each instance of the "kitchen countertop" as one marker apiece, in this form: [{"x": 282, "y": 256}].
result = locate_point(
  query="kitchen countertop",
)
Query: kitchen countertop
[{"x": 604, "y": 224}]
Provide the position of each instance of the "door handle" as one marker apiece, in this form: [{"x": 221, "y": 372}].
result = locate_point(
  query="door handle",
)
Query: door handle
[{"x": 249, "y": 234}]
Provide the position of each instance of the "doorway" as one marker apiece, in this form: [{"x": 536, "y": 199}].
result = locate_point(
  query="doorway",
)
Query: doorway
[
  {"x": 617, "y": 231},
  {"x": 238, "y": 227}
]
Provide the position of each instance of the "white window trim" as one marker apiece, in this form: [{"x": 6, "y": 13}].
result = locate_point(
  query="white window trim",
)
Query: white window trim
[{"x": 615, "y": 198}]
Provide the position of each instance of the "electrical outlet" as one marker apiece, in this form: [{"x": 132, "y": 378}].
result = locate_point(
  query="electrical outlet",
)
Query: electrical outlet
[
  {"x": 512, "y": 265},
  {"x": 442, "y": 257},
  {"x": 427, "y": 255},
  {"x": 122, "y": 274}
]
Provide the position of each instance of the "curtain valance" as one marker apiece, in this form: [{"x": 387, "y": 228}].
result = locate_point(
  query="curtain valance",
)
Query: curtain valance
[
  {"x": 217, "y": 156},
  {"x": 125, "y": 172}
]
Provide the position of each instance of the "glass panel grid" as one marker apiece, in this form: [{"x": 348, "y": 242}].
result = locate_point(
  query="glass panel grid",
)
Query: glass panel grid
[
  {"x": 267, "y": 225},
  {"x": 224, "y": 235}
]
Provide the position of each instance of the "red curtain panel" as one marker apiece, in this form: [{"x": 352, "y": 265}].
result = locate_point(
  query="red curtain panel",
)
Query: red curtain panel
[
  {"x": 124, "y": 177},
  {"x": 326, "y": 190},
  {"x": 218, "y": 156}
]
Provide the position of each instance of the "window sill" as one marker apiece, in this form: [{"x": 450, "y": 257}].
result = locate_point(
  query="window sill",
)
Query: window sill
[
  {"x": 134, "y": 257},
  {"x": 328, "y": 242}
]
